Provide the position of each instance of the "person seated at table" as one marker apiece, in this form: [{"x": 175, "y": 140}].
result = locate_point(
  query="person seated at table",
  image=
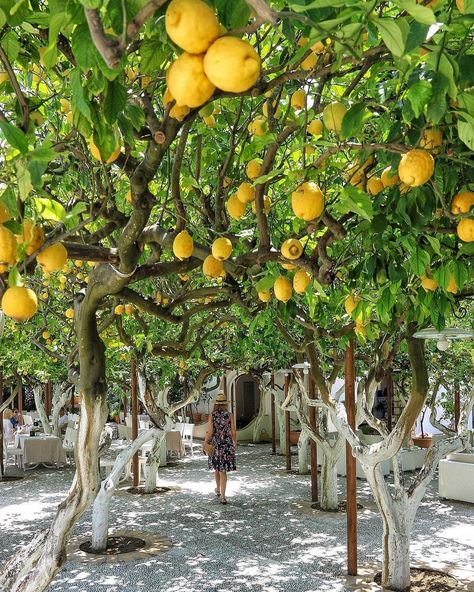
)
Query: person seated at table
[
  {"x": 8, "y": 431},
  {"x": 16, "y": 419},
  {"x": 63, "y": 420}
]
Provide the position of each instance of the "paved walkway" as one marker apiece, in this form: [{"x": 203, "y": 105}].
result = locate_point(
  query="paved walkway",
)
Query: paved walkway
[{"x": 259, "y": 542}]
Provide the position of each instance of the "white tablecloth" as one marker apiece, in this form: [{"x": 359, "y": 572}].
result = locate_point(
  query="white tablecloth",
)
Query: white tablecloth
[{"x": 41, "y": 449}]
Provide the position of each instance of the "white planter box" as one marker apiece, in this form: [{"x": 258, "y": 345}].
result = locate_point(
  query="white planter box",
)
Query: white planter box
[{"x": 456, "y": 477}]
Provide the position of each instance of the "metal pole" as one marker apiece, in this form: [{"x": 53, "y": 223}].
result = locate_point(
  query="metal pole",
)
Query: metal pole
[
  {"x": 389, "y": 383},
  {"x": 351, "y": 482},
  {"x": 272, "y": 411},
  {"x": 312, "y": 444},
  {"x": 287, "y": 426},
  {"x": 133, "y": 384}
]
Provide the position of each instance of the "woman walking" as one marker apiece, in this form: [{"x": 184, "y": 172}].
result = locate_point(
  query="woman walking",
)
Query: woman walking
[{"x": 222, "y": 435}]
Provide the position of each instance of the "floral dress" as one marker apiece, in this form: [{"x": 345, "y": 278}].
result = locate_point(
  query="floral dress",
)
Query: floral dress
[{"x": 223, "y": 458}]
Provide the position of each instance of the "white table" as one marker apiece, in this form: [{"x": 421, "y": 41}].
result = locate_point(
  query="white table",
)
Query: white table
[{"x": 45, "y": 450}]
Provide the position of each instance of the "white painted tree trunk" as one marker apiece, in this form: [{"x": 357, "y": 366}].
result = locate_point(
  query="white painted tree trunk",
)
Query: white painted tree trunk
[
  {"x": 257, "y": 426},
  {"x": 329, "y": 495},
  {"x": 39, "y": 402},
  {"x": 153, "y": 462},
  {"x": 396, "y": 559},
  {"x": 303, "y": 450},
  {"x": 60, "y": 397},
  {"x": 100, "y": 510},
  {"x": 280, "y": 415}
]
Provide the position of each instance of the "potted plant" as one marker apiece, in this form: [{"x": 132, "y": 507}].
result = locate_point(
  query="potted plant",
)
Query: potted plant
[{"x": 424, "y": 440}]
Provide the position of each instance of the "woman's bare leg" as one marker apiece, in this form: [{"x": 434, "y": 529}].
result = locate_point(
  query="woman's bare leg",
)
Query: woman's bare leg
[
  {"x": 223, "y": 478},
  {"x": 218, "y": 481}
]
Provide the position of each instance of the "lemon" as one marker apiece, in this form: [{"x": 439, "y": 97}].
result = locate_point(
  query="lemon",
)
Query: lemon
[
  {"x": 431, "y": 139},
  {"x": 183, "y": 245},
  {"x": 3, "y": 76},
  {"x": 307, "y": 201},
  {"x": 298, "y": 99},
  {"x": 282, "y": 288},
  {"x": 235, "y": 208},
  {"x": 221, "y": 248},
  {"x": 416, "y": 167},
  {"x": 212, "y": 267},
  {"x": 53, "y": 258},
  {"x": 4, "y": 213},
  {"x": 374, "y": 185},
  {"x": 318, "y": 47},
  {"x": 253, "y": 168},
  {"x": 429, "y": 284},
  {"x": 301, "y": 281},
  {"x": 232, "y": 64},
  {"x": 462, "y": 202},
  {"x": 460, "y": 5},
  {"x": 389, "y": 177},
  {"x": 292, "y": 249},
  {"x": 333, "y": 114},
  {"x": 119, "y": 309},
  {"x": 129, "y": 308},
  {"x": 246, "y": 192},
  {"x": 191, "y": 24},
  {"x": 187, "y": 82},
  {"x": 264, "y": 295},
  {"x": 452, "y": 287},
  {"x": 129, "y": 197},
  {"x": 465, "y": 230},
  {"x": 37, "y": 118},
  {"x": 177, "y": 112},
  {"x": 257, "y": 126},
  {"x": 315, "y": 127},
  {"x": 351, "y": 302},
  {"x": 19, "y": 303},
  {"x": 65, "y": 105},
  {"x": 309, "y": 62},
  {"x": 45, "y": 335},
  {"x": 7, "y": 248},
  {"x": 267, "y": 205},
  {"x": 69, "y": 314},
  {"x": 32, "y": 235},
  {"x": 94, "y": 150},
  {"x": 288, "y": 266}
]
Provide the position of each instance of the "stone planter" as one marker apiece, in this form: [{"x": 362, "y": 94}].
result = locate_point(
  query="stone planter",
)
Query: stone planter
[{"x": 423, "y": 442}]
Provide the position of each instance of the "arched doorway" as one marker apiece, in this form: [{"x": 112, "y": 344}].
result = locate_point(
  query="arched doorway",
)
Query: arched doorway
[{"x": 247, "y": 399}]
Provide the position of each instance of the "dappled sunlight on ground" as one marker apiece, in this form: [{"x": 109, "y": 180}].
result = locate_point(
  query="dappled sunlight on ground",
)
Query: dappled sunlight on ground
[{"x": 259, "y": 542}]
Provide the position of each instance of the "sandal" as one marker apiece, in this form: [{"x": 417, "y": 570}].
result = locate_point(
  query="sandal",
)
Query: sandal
[
  {"x": 217, "y": 492},
  {"x": 223, "y": 501}
]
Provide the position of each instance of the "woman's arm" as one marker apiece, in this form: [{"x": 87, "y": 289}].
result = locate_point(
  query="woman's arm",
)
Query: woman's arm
[
  {"x": 209, "y": 430},
  {"x": 233, "y": 430}
]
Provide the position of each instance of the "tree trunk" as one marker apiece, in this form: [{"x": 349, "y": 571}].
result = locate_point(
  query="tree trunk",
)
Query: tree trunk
[
  {"x": 303, "y": 452},
  {"x": 257, "y": 426},
  {"x": 39, "y": 402},
  {"x": 396, "y": 559},
  {"x": 281, "y": 426},
  {"x": 100, "y": 511},
  {"x": 60, "y": 398},
  {"x": 329, "y": 496},
  {"x": 153, "y": 463}
]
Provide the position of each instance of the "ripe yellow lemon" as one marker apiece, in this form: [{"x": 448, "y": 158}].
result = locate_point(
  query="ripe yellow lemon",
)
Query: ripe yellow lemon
[
  {"x": 282, "y": 288},
  {"x": 452, "y": 287},
  {"x": 416, "y": 167},
  {"x": 65, "y": 105},
  {"x": 309, "y": 62},
  {"x": 3, "y": 76},
  {"x": 374, "y": 185},
  {"x": 315, "y": 127},
  {"x": 429, "y": 284},
  {"x": 333, "y": 114},
  {"x": 301, "y": 281},
  {"x": 253, "y": 168},
  {"x": 232, "y": 64},
  {"x": 53, "y": 258},
  {"x": 264, "y": 295},
  {"x": 298, "y": 99},
  {"x": 389, "y": 177},
  {"x": 129, "y": 308},
  {"x": 307, "y": 201},
  {"x": 221, "y": 248},
  {"x": 19, "y": 303},
  {"x": 431, "y": 139},
  {"x": 292, "y": 249},
  {"x": 462, "y": 202},
  {"x": 7, "y": 248},
  {"x": 4, "y": 213},
  {"x": 267, "y": 205},
  {"x": 235, "y": 207},
  {"x": 318, "y": 47},
  {"x": 32, "y": 235},
  {"x": 257, "y": 126},
  {"x": 177, "y": 112},
  {"x": 119, "y": 309},
  {"x": 288, "y": 266},
  {"x": 183, "y": 245},
  {"x": 187, "y": 82},
  {"x": 351, "y": 302},
  {"x": 460, "y": 5},
  {"x": 212, "y": 267},
  {"x": 191, "y": 24},
  {"x": 69, "y": 314},
  {"x": 465, "y": 230},
  {"x": 45, "y": 335},
  {"x": 246, "y": 192}
]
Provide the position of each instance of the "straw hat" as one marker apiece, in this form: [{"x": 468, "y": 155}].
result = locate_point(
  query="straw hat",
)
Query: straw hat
[{"x": 221, "y": 399}]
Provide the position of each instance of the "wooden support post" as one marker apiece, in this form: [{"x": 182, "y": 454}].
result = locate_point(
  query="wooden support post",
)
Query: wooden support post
[
  {"x": 457, "y": 405},
  {"x": 272, "y": 412},
  {"x": 389, "y": 382},
  {"x": 134, "y": 397},
  {"x": 72, "y": 402},
  {"x": 287, "y": 426},
  {"x": 351, "y": 481},
  {"x": 312, "y": 444},
  {"x": 1, "y": 425},
  {"x": 48, "y": 397}
]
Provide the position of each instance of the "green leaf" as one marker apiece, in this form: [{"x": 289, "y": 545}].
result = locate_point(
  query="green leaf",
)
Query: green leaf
[
  {"x": 357, "y": 201},
  {"x": 11, "y": 45},
  {"x": 152, "y": 54},
  {"x": 440, "y": 63},
  {"x": 83, "y": 47},
  {"x": 416, "y": 36},
  {"x": 24, "y": 179},
  {"x": 115, "y": 101},
  {"x": 265, "y": 283},
  {"x": 392, "y": 35},
  {"x": 466, "y": 133},
  {"x": 50, "y": 209},
  {"x": 14, "y": 136},
  {"x": 419, "y": 95},
  {"x": 420, "y": 13},
  {"x": 78, "y": 101},
  {"x": 3, "y": 18},
  {"x": 354, "y": 119},
  {"x": 437, "y": 104},
  {"x": 8, "y": 198},
  {"x": 435, "y": 244},
  {"x": 14, "y": 277},
  {"x": 419, "y": 261}
]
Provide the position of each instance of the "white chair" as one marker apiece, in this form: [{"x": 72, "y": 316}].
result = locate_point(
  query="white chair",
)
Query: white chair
[
  {"x": 16, "y": 454},
  {"x": 187, "y": 436},
  {"x": 69, "y": 443},
  {"x": 179, "y": 427},
  {"x": 128, "y": 421},
  {"x": 124, "y": 432},
  {"x": 144, "y": 424},
  {"x": 27, "y": 420}
]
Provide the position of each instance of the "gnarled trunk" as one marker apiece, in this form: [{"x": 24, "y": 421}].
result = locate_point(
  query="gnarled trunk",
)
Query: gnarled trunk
[
  {"x": 39, "y": 403},
  {"x": 329, "y": 495},
  {"x": 280, "y": 414},
  {"x": 303, "y": 452},
  {"x": 396, "y": 559},
  {"x": 153, "y": 462}
]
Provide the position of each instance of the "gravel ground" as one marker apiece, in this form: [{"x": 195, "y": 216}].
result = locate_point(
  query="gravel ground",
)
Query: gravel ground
[{"x": 259, "y": 542}]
